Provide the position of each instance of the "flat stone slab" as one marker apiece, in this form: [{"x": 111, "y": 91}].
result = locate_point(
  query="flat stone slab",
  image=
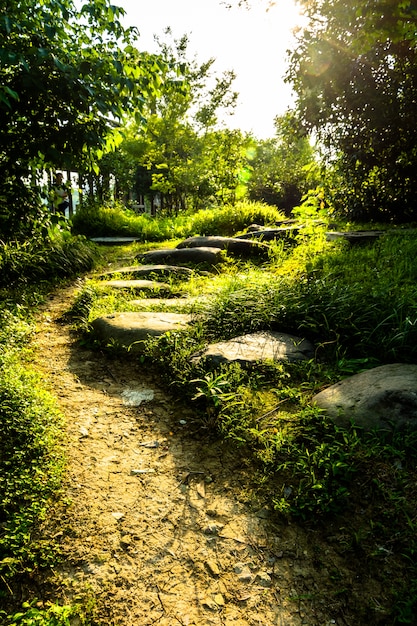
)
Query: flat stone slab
[
  {"x": 271, "y": 234},
  {"x": 232, "y": 245},
  {"x": 167, "y": 303},
  {"x": 149, "y": 271},
  {"x": 113, "y": 241},
  {"x": 384, "y": 398},
  {"x": 130, "y": 330},
  {"x": 261, "y": 346},
  {"x": 355, "y": 236},
  {"x": 194, "y": 256},
  {"x": 137, "y": 285}
]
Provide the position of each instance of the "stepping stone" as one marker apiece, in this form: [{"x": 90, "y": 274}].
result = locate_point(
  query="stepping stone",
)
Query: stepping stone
[
  {"x": 131, "y": 330},
  {"x": 168, "y": 302},
  {"x": 260, "y": 346},
  {"x": 271, "y": 234},
  {"x": 147, "y": 271},
  {"x": 137, "y": 285},
  {"x": 384, "y": 398},
  {"x": 355, "y": 236},
  {"x": 206, "y": 255},
  {"x": 233, "y": 245},
  {"x": 114, "y": 241}
]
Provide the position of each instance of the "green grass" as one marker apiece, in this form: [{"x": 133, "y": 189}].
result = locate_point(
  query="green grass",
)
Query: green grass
[
  {"x": 358, "y": 305},
  {"x": 31, "y": 459},
  {"x": 31, "y": 450},
  {"x": 58, "y": 255},
  {"x": 99, "y": 221}
]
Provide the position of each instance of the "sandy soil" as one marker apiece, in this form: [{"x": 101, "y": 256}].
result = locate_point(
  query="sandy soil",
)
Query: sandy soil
[{"x": 156, "y": 523}]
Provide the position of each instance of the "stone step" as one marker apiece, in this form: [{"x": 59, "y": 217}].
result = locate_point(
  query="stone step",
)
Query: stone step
[
  {"x": 114, "y": 241},
  {"x": 130, "y": 330},
  {"x": 356, "y": 236},
  {"x": 170, "y": 303},
  {"x": 383, "y": 398},
  {"x": 153, "y": 271},
  {"x": 188, "y": 256},
  {"x": 260, "y": 346},
  {"x": 272, "y": 234},
  {"x": 137, "y": 285},
  {"x": 244, "y": 248}
]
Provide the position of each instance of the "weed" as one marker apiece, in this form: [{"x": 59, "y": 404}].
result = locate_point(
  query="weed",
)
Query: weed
[
  {"x": 37, "y": 613},
  {"x": 58, "y": 257}
]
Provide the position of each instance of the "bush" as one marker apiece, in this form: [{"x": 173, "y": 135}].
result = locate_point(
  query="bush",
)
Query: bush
[
  {"x": 59, "y": 256},
  {"x": 115, "y": 220}
]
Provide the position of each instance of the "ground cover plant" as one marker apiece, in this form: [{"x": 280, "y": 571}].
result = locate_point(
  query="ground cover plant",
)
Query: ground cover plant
[
  {"x": 359, "y": 307},
  {"x": 31, "y": 463},
  {"x": 31, "y": 450}
]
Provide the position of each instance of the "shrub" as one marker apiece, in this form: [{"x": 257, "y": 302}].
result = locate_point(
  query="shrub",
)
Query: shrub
[
  {"x": 115, "y": 220},
  {"x": 59, "y": 256}
]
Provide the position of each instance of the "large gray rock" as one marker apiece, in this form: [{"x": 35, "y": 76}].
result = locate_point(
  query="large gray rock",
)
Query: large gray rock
[
  {"x": 244, "y": 248},
  {"x": 381, "y": 398},
  {"x": 131, "y": 330},
  {"x": 191, "y": 256},
  {"x": 150, "y": 271},
  {"x": 261, "y": 346}
]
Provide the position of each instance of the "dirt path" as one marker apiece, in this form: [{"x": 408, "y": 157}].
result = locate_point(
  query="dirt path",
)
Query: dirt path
[{"x": 157, "y": 525}]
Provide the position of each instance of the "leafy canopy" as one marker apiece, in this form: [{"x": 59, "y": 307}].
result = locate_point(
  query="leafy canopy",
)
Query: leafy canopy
[
  {"x": 182, "y": 155},
  {"x": 68, "y": 76},
  {"x": 354, "y": 72}
]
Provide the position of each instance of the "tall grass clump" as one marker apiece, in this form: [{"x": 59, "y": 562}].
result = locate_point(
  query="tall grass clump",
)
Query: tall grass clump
[
  {"x": 230, "y": 219},
  {"x": 58, "y": 255},
  {"x": 30, "y": 458},
  {"x": 354, "y": 302},
  {"x": 116, "y": 220}
]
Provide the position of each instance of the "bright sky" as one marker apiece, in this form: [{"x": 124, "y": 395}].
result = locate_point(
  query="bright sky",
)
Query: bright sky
[{"x": 252, "y": 42}]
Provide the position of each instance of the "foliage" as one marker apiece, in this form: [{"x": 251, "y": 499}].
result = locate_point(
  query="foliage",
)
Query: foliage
[
  {"x": 68, "y": 74},
  {"x": 317, "y": 463},
  {"x": 354, "y": 74},
  {"x": 182, "y": 156},
  {"x": 96, "y": 220},
  {"x": 60, "y": 255},
  {"x": 205, "y": 94},
  {"x": 30, "y": 459},
  {"x": 282, "y": 168},
  {"x": 52, "y": 615},
  {"x": 231, "y": 219}
]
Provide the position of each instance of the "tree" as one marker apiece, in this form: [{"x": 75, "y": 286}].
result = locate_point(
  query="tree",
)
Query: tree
[
  {"x": 281, "y": 172},
  {"x": 355, "y": 74},
  {"x": 68, "y": 76},
  {"x": 176, "y": 146},
  {"x": 205, "y": 92}
]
